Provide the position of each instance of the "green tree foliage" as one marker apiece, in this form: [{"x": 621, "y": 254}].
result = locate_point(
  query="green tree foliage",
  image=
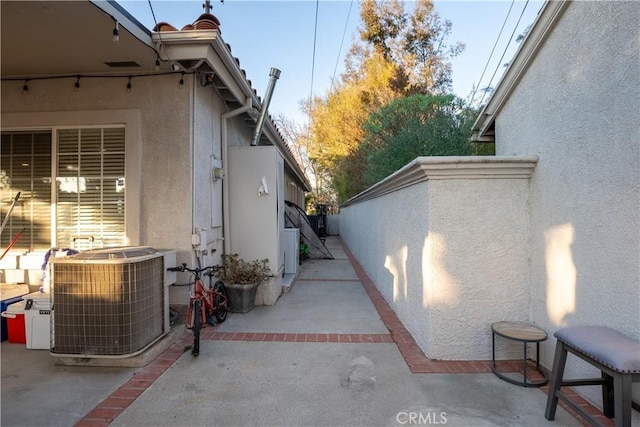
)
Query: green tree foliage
[
  {"x": 402, "y": 51},
  {"x": 336, "y": 129},
  {"x": 409, "y": 127},
  {"x": 415, "y": 40}
]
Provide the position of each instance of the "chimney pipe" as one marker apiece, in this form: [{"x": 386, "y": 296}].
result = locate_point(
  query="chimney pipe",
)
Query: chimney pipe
[{"x": 274, "y": 75}]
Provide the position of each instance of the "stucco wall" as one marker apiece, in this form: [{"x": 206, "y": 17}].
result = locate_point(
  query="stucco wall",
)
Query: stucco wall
[
  {"x": 578, "y": 109},
  {"x": 163, "y": 140},
  {"x": 450, "y": 255},
  {"x": 167, "y": 157},
  {"x": 207, "y": 209}
]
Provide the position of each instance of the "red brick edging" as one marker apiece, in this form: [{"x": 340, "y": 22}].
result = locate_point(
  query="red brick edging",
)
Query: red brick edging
[
  {"x": 278, "y": 337},
  {"x": 419, "y": 363},
  {"x": 107, "y": 410}
]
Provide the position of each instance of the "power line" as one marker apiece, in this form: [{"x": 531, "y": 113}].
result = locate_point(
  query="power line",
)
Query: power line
[
  {"x": 313, "y": 61},
  {"x": 473, "y": 94},
  {"x": 505, "y": 50},
  {"x": 346, "y": 24}
]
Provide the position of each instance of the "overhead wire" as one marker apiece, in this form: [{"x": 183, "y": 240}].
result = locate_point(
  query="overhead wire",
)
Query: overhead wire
[
  {"x": 473, "y": 94},
  {"x": 155, "y": 21},
  {"x": 313, "y": 60},
  {"x": 344, "y": 32},
  {"x": 505, "y": 50}
]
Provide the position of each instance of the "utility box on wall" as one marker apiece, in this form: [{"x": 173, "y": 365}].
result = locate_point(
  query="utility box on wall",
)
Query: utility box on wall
[
  {"x": 256, "y": 211},
  {"x": 291, "y": 244}
]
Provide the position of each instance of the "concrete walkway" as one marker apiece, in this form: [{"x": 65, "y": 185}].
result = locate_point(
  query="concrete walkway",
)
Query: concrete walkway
[{"x": 329, "y": 353}]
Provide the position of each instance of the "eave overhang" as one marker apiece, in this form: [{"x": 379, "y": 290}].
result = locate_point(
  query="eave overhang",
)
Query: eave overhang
[
  {"x": 550, "y": 13},
  {"x": 206, "y": 52}
]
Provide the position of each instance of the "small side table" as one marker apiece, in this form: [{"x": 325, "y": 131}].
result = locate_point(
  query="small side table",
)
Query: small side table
[{"x": 525, "y": 333}]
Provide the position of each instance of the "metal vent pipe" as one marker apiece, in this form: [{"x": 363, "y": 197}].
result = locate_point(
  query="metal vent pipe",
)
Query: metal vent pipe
[{"x": 274, "y": 75}]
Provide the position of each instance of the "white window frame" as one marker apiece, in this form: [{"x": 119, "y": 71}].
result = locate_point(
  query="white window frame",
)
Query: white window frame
[{"x": 130, "y": 119}]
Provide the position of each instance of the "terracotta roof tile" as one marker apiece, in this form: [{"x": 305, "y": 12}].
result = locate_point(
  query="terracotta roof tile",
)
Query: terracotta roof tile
[
  {"x": 207, "y": 21},
  {"x": 163, "y": 26}
]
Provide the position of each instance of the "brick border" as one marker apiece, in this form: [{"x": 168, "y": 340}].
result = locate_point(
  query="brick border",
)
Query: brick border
[
  {"x": 285, "y": 337},
  {"x": 113, "y": 405},
  {"x": 419, "y": 363},
  {"x": 322, "y": 279},
  {"x": 109, "y": 409},
  {"x": 413, "y": 355}
]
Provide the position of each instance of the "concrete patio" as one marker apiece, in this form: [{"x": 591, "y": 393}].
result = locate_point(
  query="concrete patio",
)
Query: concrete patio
[{"x": 329, "y": 353}]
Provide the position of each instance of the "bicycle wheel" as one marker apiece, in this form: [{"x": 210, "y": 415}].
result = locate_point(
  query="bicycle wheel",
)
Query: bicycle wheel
[
  {"x": 197, "y": 325},
  {"x": 220, "y": 301}
]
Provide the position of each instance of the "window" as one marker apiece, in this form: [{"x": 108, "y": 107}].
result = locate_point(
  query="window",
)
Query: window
[
  {"x": 90, "y": 187},
  {"x": 87, "y": 185},
  {"x": 25, "y": 167}
]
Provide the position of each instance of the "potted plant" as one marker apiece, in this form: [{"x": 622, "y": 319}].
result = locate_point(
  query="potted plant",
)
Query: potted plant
[{"x": 241, "y": 278}]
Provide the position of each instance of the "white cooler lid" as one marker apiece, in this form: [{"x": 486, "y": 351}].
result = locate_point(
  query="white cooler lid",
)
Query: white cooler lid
[
  {"x": 10, "y": 290},
  {"x": 38, "y": 296}
]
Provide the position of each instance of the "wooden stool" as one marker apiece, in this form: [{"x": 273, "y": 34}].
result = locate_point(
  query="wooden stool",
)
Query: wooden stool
[{"x": 617, "y": 357}]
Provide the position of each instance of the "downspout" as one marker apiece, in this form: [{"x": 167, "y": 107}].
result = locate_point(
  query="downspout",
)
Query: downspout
[
  {"x": 248, "y": 105},
  {"x": 192, "y": 138},
  {"x": 274, "y": 75}
]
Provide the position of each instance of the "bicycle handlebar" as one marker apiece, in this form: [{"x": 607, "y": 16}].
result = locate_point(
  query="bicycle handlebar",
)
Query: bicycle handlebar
[{"x": 212, "y": 269}]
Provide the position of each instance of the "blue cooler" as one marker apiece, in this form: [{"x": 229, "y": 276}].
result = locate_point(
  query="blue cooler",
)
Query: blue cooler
[{"x": 10, "y": 293}]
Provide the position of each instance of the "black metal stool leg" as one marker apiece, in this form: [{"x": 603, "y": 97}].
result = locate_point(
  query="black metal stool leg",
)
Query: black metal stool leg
[
  {"x": 559, "y": 361},
  {"x": 607, "y": 395},
  {"x": 493, "y": 349},
  {"x": 525, "y": 364}
]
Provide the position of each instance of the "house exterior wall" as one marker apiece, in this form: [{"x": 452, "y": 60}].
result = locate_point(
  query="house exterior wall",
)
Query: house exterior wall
[
  {"x": 449, "y": 254},
  {"x": 578, "y": 107},
  {"x": 163, "y": 139},
  {"x": 173, "y": 148}
]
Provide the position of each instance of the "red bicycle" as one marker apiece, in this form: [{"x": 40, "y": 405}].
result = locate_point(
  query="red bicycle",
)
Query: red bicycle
[{"x": 205, "y": 304}]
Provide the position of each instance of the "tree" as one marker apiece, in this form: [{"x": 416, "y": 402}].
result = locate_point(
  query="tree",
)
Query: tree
[
  {"x": 409, "y": 127},
  {"x": 336, "y": 128},
  {"x": 296, "y": 137},
  {"x": 416, "y": 41},
  {"x": 401, "y": 52}
]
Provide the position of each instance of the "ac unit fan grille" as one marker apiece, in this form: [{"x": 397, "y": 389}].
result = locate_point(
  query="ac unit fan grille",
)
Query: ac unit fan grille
[{"x": 107, "y": 309}]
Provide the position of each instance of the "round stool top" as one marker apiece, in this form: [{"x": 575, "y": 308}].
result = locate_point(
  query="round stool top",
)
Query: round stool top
[{"x": 520, "y": 331}]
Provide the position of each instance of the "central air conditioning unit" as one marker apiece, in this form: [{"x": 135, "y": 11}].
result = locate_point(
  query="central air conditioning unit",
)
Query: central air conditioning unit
[{"x": 110, "y": 302}]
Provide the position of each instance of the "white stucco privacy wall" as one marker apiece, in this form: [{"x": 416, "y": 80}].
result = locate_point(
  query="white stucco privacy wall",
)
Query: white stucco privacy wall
[
  {"x": 445, "y": 240},
  {"x": 577, "y": 107}
]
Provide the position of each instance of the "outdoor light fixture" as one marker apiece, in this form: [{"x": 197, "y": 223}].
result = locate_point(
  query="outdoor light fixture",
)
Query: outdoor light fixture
[
  {"x": 76, "y": 87},
  {"x": 181, "y": 83},
  {"x": 25, "y": 88},
  {"x": 157, "y": 64},
  {"x": 116, "y": 32},
  {"x": 129, "y": 85}
]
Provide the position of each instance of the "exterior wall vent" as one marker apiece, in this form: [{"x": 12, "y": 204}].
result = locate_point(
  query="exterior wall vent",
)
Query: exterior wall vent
[{"x": 122, "y": 64}]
